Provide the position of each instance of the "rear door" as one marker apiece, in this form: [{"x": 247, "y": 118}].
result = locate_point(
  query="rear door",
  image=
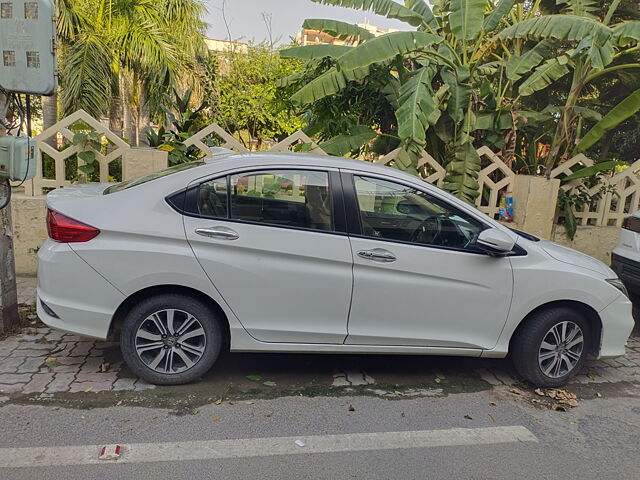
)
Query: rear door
[{"x": 274, "y": 243}]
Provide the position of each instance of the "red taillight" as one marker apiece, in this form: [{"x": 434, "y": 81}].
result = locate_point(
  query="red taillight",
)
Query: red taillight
[
  {"x": 631, "y": 223},
  {"x": 66, "y": 230}
]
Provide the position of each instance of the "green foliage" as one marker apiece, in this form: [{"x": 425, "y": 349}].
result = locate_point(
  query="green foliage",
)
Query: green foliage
[
  {"x": 627, "y": 33},
  {"x": 569, "y": 202},
  {"x": 315, "y": 51},
  {"x": 492, "y": 20},
  {"x": 499, "y": 73},
  {"x": 387, "y": 8},
  {"x": 247, "y": 102},
  {"x": 466, "y": 18},
  {"x": 416, "y": 104},
  {"x": 560, "y": 27},
  {"x": 583, "y": 8},
  {"x": 594, "y": 170},
  {"x": 86, "y": 75},
  {"x": 545, "y": 75},
  {"x": 518, "y": 65},
  {"x": 349, "y": 142},
  {"x": 421, "y": 7},
  {"x": 340, "y": 30},
  {"x": 185, "y": 122},
  {"x": 628, "y": 107},
  {"x": 102, "y": 40},
  {"x": 385, "y": 47},
  {"x": 88, "y": 144},
  {"x": 330, "y": 82},
  {"x": 462, "y": 173}
]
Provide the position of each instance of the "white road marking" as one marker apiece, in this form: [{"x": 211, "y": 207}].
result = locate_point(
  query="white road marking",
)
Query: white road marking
[{"x": 262, "y": 447}]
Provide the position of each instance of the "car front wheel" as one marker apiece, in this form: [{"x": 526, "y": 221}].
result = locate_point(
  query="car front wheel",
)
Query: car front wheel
[
  {"x": 552, "y": 346},
  {"x": 170, "y": 339}
]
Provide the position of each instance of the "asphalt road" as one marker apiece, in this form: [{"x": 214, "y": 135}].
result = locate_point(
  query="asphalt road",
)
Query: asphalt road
[{"x": 596, "y": 439}]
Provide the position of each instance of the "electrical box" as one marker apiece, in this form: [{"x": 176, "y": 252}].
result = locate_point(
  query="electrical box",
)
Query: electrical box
[
  {"x": 27, "y": 46},
  {"x": 18, "y": 158}
]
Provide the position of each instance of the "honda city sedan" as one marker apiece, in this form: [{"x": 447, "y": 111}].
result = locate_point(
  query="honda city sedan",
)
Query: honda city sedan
[{"x": 267, "y": 252}]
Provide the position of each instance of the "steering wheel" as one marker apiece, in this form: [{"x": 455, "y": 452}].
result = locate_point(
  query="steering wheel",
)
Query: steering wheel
[
  {"x": 471, "y": 240},
  {"x": 429, "y": 231}
]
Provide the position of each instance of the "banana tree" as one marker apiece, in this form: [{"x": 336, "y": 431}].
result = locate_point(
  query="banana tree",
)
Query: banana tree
[
  {"x": 586, "y": 48},
  {"x": 448, "y": 81}
]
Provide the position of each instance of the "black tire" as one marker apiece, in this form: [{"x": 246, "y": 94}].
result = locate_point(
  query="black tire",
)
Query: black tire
[
  {"x": 182, "y": 303},
  {"x": 526, "y": 345}
]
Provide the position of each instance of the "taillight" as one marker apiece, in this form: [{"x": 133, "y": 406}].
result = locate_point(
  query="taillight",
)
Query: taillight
[
  {"x": 631, "y": 223},
  {"x": 66, "y": 230}
]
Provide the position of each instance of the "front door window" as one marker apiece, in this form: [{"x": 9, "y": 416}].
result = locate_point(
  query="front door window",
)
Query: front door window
[{"x": 391, "y": 211}]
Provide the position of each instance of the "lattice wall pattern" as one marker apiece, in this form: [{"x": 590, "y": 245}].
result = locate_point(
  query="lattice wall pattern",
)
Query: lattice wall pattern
[
  {"x": 494, "y": 177},
  {"x": 61, "y": 134}
]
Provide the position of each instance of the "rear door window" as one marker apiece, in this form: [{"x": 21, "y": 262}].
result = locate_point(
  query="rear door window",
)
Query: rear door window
[{"x": 287, "y": 198}]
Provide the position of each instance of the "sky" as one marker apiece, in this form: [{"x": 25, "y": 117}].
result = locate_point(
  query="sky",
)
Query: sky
[{"x": 245, "y": 18}]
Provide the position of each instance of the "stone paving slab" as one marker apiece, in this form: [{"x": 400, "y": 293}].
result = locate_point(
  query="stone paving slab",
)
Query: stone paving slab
[{"x": 42, "y": 360}]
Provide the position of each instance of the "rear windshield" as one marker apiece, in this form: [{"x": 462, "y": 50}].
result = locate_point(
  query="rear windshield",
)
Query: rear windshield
[{"x": 147, "y": 178}]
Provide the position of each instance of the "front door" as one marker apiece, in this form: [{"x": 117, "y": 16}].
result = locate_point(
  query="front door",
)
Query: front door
[
  {"x": 418, "y": 279},
  {"x": 269, "y": 242}
]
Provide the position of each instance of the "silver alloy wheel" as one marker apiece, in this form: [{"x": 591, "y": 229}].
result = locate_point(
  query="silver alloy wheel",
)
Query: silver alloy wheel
[
  {"x": 170, "y": 341},
  {"x": 561, "y": 349}
]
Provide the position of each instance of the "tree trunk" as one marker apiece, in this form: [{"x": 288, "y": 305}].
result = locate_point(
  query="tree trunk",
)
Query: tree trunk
[
  {"x": 116, "y": 120},
  {"x": 129, "y": 124},
  {"x": 606, "y": 144},
  {"x": 49, "y": 110},
  {"x": 50, "y": 115},
  {"x": 144, "y": 119},
  {"x": 565, "y": 131}
]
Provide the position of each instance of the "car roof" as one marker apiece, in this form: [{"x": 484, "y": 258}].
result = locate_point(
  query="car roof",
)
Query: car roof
[{"x": 251, "y": 159}]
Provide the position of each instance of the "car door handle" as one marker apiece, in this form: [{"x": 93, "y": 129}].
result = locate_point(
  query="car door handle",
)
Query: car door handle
[
  {"x": 222, "y": 233},
  {"x": 377, "y": 255}
]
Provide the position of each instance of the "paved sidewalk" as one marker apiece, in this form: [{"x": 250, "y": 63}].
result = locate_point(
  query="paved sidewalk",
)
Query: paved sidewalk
[
  {"x": 41, "y": 360},
  {"x": 26, "y": 287}
]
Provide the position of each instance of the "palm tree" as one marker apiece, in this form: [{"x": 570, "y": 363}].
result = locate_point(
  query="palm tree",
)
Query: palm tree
[{"x": 146, "y": 45}]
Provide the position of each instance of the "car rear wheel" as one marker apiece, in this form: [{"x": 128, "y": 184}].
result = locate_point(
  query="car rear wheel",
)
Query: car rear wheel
[
  {"x": 552, "y": 346},
  {"x": 170, "y": 339}
]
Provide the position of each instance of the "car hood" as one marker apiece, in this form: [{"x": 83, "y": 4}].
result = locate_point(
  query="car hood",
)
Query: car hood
[{"x": 573, "y": 257}]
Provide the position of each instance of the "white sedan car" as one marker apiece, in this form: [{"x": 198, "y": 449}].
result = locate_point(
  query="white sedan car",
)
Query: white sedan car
[{"x": 303, "y": 253}]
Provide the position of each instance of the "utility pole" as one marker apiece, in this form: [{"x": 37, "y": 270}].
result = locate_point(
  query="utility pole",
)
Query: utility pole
[
  {"x": 8, "y": 291},
  {"x": 27, "y": 42}
]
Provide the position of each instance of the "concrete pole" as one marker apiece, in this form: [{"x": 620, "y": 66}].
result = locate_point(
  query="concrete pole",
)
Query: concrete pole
[{"x": 8, "y": 291}]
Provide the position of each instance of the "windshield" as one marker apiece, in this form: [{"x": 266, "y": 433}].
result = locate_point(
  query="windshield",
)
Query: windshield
[{"x": 147, "y": 178}]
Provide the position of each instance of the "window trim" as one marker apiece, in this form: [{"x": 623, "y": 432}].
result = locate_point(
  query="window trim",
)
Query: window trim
[
  {"x": 338, "y": 220},
  {"x": 355, "y": 219}
]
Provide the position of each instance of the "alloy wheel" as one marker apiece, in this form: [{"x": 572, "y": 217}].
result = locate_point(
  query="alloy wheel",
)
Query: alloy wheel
[
  {"x": 561, "y": 349},
  {"x": 170, "y": 341}
]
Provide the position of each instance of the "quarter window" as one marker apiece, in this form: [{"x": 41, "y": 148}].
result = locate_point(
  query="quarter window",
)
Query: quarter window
[
  {"x": 291, "y": 198},
  {"x": 212, "y": 198},
  {"x": 392, "y": 211}
]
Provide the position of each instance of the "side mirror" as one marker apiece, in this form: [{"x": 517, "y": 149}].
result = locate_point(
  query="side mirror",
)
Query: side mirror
[{"x": 495, "y": 242}]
